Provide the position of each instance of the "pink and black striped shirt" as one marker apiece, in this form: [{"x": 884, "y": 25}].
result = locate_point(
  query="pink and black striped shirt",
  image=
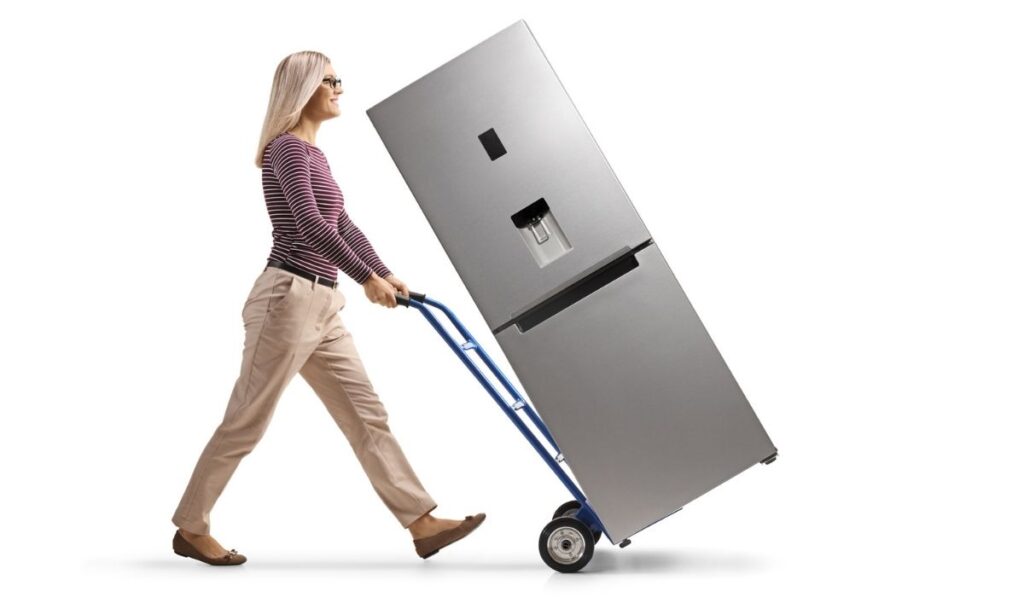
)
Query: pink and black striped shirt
[{"x": 312, "y": 231}]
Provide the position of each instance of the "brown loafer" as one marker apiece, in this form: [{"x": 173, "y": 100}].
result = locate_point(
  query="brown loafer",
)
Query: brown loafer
[
  {"x": 186, "y": 550},
  {"x": 428, "y": 546}
]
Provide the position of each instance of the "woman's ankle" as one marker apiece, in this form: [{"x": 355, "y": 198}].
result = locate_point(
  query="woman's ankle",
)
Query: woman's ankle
[
  {"x": 421, "y": 521},
  {"x": 189, "y": 534}
]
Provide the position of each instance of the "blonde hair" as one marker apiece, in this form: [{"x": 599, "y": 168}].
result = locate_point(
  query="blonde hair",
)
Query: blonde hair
[{"x": 295, "y": 81}]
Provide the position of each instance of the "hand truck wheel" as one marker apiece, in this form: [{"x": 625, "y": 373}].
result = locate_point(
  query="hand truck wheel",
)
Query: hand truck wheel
[
  {"x": 566, "y": 544},
  {"x": 569, "y": 509}
]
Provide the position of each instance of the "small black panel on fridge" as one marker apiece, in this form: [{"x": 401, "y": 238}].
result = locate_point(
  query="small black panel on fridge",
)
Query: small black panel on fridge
[{"x": 492, "y": 144}]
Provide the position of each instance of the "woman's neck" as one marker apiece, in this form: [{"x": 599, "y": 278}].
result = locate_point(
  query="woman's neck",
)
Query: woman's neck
[{"x": 306, "y": 130}]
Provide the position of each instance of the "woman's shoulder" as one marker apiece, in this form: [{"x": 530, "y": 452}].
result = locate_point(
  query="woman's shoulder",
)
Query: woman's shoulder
[
  {"x": 285, "y": 138},
  {"x": 286, "y": 144}
]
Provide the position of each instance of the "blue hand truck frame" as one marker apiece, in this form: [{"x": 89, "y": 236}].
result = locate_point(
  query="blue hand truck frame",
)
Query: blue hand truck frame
[{"x": 585, "y": 513}]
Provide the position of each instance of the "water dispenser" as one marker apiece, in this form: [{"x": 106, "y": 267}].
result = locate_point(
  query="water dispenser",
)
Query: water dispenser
[{"x": 541, "y": 232}]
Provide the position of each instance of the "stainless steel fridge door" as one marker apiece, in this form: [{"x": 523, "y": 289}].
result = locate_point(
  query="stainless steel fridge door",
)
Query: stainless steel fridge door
[
  {"x": 492, "y": 135},
  {"x": 640, "y": 401}
]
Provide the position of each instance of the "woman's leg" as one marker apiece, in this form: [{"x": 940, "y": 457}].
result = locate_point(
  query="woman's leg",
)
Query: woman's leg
[
  {"x": 335, "y": 372},
  {"x": 275, "y": 315}
]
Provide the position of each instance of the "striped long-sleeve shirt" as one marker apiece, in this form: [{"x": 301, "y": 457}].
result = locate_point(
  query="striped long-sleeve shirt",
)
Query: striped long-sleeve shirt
[{"x": 312, "y": 231}]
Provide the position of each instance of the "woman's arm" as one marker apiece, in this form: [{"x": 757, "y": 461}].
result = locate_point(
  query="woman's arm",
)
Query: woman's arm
[
  {"x": 359, "y": 243},
  {"x": 290, "y": 160}
]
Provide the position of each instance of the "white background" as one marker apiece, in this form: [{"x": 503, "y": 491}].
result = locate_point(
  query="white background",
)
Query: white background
[{"x": 836, "y": 186}]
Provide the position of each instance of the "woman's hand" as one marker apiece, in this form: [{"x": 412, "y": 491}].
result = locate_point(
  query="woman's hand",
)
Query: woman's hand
[
  {"x": 380, "y": 291},
  {"x": 398, "y": 284}
]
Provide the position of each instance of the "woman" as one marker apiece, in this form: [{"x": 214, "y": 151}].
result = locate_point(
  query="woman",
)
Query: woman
[{"x": 292, "y": 325}]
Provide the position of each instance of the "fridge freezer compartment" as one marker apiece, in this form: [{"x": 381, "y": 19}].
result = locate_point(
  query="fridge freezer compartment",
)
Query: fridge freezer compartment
[{"x": 630, "y": 385}]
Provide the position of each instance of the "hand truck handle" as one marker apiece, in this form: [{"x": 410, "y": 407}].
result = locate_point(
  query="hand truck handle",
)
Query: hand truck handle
[{"x": 404, "y": 300}]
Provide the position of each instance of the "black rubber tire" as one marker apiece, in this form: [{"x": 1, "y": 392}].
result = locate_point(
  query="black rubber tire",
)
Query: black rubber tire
[
  {"x": 569, "y": 509},
  {"x": 571, "y": 544}
]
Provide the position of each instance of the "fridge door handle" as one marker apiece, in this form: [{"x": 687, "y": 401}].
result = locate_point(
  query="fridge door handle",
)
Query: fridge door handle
[{"x": 577, "y": 291}]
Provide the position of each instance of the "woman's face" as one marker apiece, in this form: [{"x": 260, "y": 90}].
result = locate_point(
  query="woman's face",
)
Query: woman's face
[{"x": 324, "y": 103}]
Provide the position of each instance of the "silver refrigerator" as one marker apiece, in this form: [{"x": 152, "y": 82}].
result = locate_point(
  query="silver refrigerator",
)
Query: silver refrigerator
[{"x": 565, "y": 273}]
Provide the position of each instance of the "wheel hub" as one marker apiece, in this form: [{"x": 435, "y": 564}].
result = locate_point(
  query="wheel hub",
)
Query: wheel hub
[{"x": 566, "y": 545}]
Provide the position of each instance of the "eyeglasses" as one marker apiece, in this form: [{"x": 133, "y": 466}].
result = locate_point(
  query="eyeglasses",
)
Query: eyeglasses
[{"x": 332, "y": 82}]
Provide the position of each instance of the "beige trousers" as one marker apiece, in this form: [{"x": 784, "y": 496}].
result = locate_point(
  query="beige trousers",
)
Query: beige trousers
[{"x": 292, "y": 326}]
